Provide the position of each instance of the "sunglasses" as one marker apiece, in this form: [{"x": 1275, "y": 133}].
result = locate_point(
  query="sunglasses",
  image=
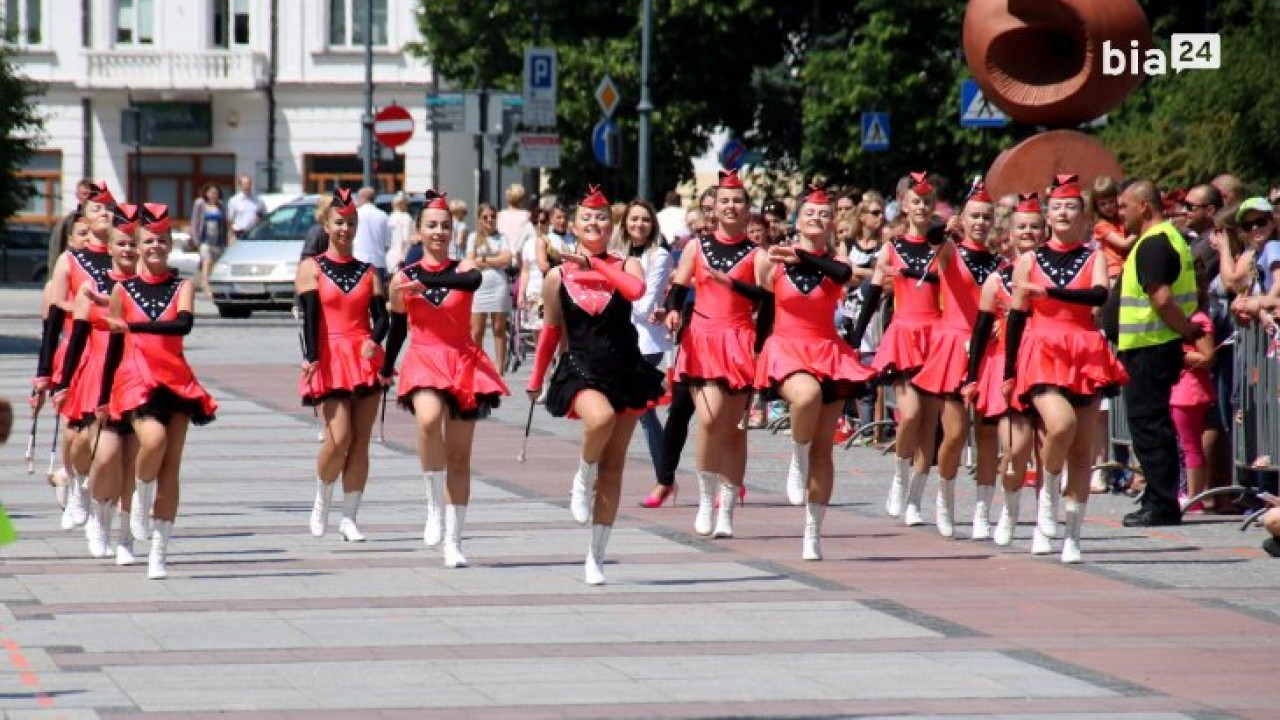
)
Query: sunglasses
[
  {"x": 1251, "y": 225},
  {"x": 876, "y": 213},
  {"x": 1196, "y": 206}
]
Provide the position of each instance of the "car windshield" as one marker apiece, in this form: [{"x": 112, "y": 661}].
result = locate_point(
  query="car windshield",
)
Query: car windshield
[{"x": 288, "y": 222}]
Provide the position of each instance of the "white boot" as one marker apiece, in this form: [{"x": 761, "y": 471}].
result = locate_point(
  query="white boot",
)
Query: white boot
[
  {"x": 454, "y": 517},
  {"x": 61, "y": 487},
  {"x": 594, "y": 566},
  {"x": 946, "y": 507},
  {"x": 915, "y": 492},
  {"x": 898, "y": 490},
  {"x": 724, "y": 518},
  {"x": 708, "y": 482},
  {"x": 76, "y": 513},
  {"x": 1075, "y": 518},
  {"x": 982, "y": 512},
  {"x": 320, "y": 508},
  {"x": 798, "y": 473},
  {"x": 124, "y": 546},
  {"x": 814, "y": 513},
  {"x": 98, "y": 528},
  {"x": 1008, "y": 517},
  {"x": 583, "y": 495},
  {"x": 1047, "y": 510},
  {"x": 434, "y": 530},
  {"x": 144, "y": 494},
  {"x": 347, "y": 528},
  {"x": 156, "y": 569},
  {"x": 1040, "y": 543}
]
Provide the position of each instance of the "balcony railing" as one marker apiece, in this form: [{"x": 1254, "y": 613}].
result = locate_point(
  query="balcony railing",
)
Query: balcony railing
[{"x": 166, "y": 70}]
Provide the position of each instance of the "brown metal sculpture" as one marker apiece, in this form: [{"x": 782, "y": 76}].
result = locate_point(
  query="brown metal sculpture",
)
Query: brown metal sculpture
[{"x": 1040, "y": 61}]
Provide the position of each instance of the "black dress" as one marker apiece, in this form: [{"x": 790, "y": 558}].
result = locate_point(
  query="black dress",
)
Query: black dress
[{"x": 604, "y": 350}]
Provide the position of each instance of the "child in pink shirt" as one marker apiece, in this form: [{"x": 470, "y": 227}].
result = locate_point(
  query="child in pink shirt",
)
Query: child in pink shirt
[{"x": 1190, "y": 402}]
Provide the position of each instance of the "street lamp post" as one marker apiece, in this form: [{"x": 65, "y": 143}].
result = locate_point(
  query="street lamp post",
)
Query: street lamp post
[
  {"x": 645, "y": 107},
  {"x": 366, "y": 122}
]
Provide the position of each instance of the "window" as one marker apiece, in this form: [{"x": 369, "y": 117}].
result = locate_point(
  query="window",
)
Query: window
[
  {"x": 323, "y": 173},
  {"x": 230, "y": 23},
  {"x": 135, "y": 22},
  {"x": 43, "y": 173},
  {"x": 23, "y": 21},
  {"x": 346, "y": 22},
  {"x": 176, "y": 179}
]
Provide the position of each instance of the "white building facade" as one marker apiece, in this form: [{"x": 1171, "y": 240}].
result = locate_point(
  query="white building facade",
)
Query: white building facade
[{"x": 196, "y": 77}]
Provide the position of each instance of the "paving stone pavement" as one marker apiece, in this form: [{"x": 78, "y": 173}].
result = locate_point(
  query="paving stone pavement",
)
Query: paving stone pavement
[{"x": 259, "y": 619}]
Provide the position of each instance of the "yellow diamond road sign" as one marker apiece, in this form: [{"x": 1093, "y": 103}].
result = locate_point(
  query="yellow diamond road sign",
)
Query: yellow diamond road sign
[{"x": 607, "y": 95}]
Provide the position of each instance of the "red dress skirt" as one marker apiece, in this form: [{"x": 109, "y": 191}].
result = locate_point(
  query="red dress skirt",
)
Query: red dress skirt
[
  {"x": 441, "y": 355},
  {"x": 346, "y": 288},
  {"x": 805, "y": 340},
  {"x": 908, "y": 340},
  {"x": 719, "y": 343}
]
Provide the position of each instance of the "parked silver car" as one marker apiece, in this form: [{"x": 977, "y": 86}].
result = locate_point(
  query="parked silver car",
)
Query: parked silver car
[{"x": 257, "y": 272}]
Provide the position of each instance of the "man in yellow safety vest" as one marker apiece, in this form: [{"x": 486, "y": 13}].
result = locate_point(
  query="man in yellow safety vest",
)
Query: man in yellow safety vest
[{"x": 1157, "y": 291}]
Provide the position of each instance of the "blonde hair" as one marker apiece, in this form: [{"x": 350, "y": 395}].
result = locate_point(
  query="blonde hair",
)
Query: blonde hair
[
  {"x": 322, "y": 207},
  {"x": 515, "y": 195},
  {"x": 458, "y": 209}
]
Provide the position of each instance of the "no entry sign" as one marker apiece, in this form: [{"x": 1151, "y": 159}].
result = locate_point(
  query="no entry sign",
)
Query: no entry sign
[{"x": 393, "y": 126}]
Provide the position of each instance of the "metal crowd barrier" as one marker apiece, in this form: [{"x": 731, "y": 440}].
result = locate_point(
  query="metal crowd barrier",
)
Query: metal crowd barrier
[{"x": 1257, "y": 419}]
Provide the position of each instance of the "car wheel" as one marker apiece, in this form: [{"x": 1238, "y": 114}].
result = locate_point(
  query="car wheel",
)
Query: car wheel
[{"x": 231, "y": 311}]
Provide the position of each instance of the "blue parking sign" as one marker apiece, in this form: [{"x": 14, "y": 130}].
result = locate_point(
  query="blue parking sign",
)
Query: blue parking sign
[{"x": 875, "y": 131}]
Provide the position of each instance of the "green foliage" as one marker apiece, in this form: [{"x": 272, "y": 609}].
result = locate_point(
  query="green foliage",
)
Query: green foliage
[
  {"x": 700, "y": 79},
  {"x": 20, "y": 126},
  {"x": 1183, "y": 129}
]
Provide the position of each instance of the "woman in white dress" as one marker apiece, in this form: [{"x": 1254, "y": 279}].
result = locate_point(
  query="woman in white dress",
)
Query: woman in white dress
[{"x": 492, "y": 256}]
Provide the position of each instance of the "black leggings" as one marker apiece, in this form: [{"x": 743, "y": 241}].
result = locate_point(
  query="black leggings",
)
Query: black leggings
[{"x": 675, "y": 432}]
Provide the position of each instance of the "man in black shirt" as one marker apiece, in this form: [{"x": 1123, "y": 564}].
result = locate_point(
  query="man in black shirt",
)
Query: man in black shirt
[{"x": 1153, "y": 324}]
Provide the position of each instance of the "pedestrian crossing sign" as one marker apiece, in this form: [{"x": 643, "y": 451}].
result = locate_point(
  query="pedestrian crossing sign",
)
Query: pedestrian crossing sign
[
  {"x": 976, "y": 110},
  {"x": 875, "y": 131}
]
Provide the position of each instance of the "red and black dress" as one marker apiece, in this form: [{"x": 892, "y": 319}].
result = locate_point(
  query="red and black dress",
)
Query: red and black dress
[
  {"x": 944, "y": 369},
  {"x": 86, "y": 352},
  {"x": 717, "y": 346},
  {"x": 604, "y": 349},
  {"x": 1062, "y": 347},
  {"x": 906, "y": 343},
  {"x": 337, "y": 321},
  {"x": 90, "y": 264},
  {"x": 804, "y": 337},
  {"x": 987, "y": 352},
  {"x": 442, "y": 355},
  {"x": 153, "y": 378}
]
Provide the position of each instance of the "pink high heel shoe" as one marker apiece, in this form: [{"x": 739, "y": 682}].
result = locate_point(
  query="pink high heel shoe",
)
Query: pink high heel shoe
[{"x": 659, "y": 495}]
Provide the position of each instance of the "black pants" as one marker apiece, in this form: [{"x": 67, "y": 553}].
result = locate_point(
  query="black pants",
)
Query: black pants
[
  {"x": 675, "y": 432},
  {"x": 1153, "y": 371}
]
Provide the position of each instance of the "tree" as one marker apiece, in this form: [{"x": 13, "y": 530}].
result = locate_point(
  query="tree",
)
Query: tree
[
  {"x": 700, "y": 79},
  {"x": 1183, "y": 129},
  {"x": 20, "y": 126}
]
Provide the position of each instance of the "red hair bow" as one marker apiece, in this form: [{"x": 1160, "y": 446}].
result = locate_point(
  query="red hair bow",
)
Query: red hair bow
[
  {"x": 1065, "y": 186},
  {"x": 343, "y": 203},
  {"x": 125, "y": 218},
  {"x": 729, "y": 179},
  {"x": 920, "y": 183},
  {"x": 154, "y": 217},
  {"x": 436, "y": 200},
  {"x": 595, "y": 198},
  {"x": 1028, "y": 204}
]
